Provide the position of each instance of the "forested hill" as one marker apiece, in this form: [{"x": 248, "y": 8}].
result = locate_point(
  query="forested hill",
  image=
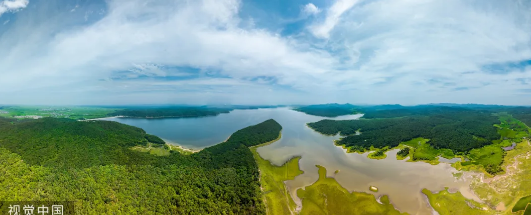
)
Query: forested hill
[
  {"x": 457, "y": 129},
  {"x": 477, "y": 132},
  {"x": 421, "y": 110},
  {"x": 66, "y": 143},
  {"x": 390, "y": 110},
  {"x": 333, "y": 110},
  {"x": 521, "y": 113},
  {"x": 230, "y": 152},
  {"x": 328, "y": 110},
  {"x": 92, "y": 164},
  {"x": 169, "y": 112}
]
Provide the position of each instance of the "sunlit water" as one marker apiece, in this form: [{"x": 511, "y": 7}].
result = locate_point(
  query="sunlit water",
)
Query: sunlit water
[{"x": 401, "y": 180}]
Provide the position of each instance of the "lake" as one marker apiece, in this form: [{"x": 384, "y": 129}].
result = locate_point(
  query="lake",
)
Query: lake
[{"x": 401, "y": 180}]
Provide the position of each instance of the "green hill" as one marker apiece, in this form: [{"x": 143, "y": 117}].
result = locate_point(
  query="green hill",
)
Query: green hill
[{"x": 92, "y": 164}]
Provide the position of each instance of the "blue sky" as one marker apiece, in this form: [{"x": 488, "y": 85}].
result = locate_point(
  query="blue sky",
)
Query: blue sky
[{"x": 265, "y": 52}]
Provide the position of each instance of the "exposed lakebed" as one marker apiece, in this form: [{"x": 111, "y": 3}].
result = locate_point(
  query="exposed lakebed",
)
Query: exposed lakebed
[{"x": 401, "y": 180}]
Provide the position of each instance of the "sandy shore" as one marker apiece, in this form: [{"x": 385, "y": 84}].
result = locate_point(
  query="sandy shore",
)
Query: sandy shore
[
  {"x": 227, "y": 139},
  {"x": 104, "y": 118},
  {"x": 181, "y": 147}
]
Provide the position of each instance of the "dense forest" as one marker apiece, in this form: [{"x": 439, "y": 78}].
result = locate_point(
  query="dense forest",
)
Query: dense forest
[
  {"x": 328, "y": 110},
  {"x": 333, "y": 110},
  {"x": 169, "y": 112},
  {"x": 421, "y": 110},
  {"x": 91, "y": 163},
  {"x": 521, "y": 113},
  {"x": 454, "y": 128}
]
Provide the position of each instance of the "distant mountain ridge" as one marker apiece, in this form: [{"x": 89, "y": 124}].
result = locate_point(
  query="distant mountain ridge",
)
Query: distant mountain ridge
[{"x": 334, "y": 109}]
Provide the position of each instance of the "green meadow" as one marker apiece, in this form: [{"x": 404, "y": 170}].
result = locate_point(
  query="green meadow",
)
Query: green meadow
[
  {"x": 327, "y": 196},
  {"x": 445, "y": 202}
]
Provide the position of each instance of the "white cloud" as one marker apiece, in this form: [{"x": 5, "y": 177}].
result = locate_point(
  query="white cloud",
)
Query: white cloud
[
  {"x": 201, "y": 34},
  {"x": 386, "y": 51},
  {"x": 333, "y": 14},
  {"x": 12, "y": 5},
  {"x": 310, "y": 9},
  {"x": 405, "y": 43}
]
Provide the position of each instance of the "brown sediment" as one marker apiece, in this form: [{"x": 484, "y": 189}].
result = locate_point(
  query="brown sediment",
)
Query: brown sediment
[{"x": 500, "y": 207}]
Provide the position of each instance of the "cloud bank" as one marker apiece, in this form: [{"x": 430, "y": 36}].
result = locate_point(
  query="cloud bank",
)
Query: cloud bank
[
  {"x": 205, "y": 52},
  {"x": 12, "y": 5}
]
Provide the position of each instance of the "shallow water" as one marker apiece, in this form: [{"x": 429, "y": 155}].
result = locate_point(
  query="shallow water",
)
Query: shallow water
[{"x": 401, "y": 180}]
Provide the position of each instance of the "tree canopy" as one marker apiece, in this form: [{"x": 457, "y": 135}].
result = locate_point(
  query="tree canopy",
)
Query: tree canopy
[
  {"x": 457, "y": 129},
  {"x": 328, "y": 110},
  {"x": 91, "y": 163},
  {"x": 169, "y": 112}
]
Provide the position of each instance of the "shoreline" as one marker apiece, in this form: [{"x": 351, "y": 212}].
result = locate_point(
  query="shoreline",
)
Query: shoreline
[
  {"x": 227, "y": 138},
  {"x": 266, "y": 143},
  {"x": 174, "y": 144},
  {"x": 285, "y": 193},
  {"x": 169, "y": 142},
  {"x": 329, "y": 135},
  {"x": 102, "y": 118}
]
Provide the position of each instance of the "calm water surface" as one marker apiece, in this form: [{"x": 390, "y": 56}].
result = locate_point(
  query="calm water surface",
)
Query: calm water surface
[{"x": 402, "y": 181}]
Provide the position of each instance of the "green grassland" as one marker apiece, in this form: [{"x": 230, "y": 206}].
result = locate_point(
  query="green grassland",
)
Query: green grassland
[
  {"x": 327, "y": 196},
  {"x": 70, "y": 112},
  {"x": 154, "y": 149},
  {"x": 445, "y": 202},
  {"x": 419, "y": 150},
  {"x": 513, "y": 182},
  {"x": 274, "y": 192},
  {"x": 423, "y": 151},
  {"x": 378, "y": 153},
  {"x": 509, "y": 189},
  {"x": 512, "y": 186},
  {"x": 489, "y": 159},
  {"x": 403, "y": 153}
]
